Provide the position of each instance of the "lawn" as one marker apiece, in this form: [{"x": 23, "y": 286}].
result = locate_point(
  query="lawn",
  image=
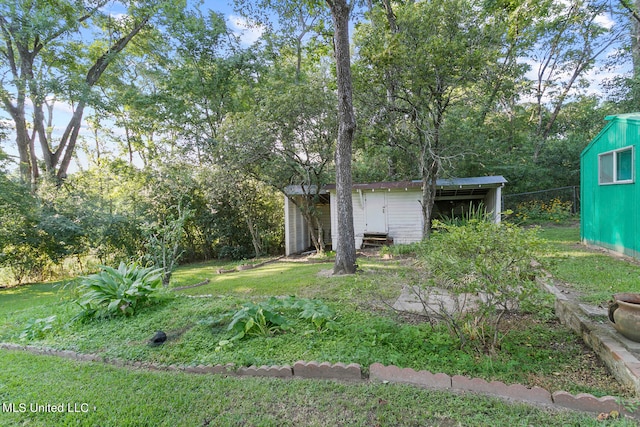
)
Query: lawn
[
  {"x": 122, "y": 397},
  {"x": 540, "y": 352},
  {"x": 595, "y": 274}
]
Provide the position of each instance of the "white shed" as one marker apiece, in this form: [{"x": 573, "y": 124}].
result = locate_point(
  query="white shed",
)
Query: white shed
[{"x": 391, "y": 211}]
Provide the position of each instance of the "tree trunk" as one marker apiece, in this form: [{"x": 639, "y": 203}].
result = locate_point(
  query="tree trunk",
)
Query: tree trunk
[
  {"x": 429, "y": 179},
  {"x": 315, "y": 227},
  {"x": 255, "y": 236},
  {"x": 346, "y": 248}
]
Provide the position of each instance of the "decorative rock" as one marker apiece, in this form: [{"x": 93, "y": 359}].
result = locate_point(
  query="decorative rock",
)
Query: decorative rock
[{"x": 158, "y": 339}]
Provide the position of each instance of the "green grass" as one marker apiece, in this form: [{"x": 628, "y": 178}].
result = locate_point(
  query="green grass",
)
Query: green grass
[
  {"x": 23, "y": 297},
  {"x": 365, "y": 332},
  {"x": 278, "y": 278},
  {"x": 596, "y": 275},
  {"x": 126, "y": 397}
]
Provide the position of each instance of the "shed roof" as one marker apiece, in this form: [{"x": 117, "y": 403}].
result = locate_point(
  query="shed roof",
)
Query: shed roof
[
  {"x": 442, "y": 184},
  {"x": 625, "y": 118},
  {"x": 303, "y": 190}
]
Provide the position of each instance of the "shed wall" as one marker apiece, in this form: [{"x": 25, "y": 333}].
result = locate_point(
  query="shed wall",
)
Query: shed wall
[
  {"x": 296, "y": 231},
  {"x": 405, "y": 216},
  {"x": 610, "y": 213}
]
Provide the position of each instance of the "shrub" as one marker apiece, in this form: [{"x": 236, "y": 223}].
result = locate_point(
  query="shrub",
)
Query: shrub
[
  {"x": 554, "y": 210},
  {"x": 38, "y": 328},
  {"x": 270, "y": 317},
  {"x": 484, "y": 263},
  {"x": 233, "y": 253},
  {"x": 119, "y": 291}
]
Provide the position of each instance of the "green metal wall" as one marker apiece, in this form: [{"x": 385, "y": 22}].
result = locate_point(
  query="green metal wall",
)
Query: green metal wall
[{"x": 610, "y": 214}]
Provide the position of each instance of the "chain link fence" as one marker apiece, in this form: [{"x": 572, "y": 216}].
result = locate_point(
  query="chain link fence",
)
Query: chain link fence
[{"x": 544, "y": 202}]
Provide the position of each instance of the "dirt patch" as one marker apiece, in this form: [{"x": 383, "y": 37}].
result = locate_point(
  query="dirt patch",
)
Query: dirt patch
[{"x": 326, "y": 273}]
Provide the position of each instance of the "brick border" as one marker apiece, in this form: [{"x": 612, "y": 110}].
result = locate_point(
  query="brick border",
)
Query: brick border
[
  {"x": 622, "y": 364},
  {"x": 377, "y": 373}
]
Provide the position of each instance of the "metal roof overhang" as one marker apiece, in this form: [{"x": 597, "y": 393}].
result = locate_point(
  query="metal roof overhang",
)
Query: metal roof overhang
[{"x": 448, "y": 188}]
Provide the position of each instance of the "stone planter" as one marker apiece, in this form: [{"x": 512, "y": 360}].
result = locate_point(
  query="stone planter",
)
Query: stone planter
[{"x": 624, "y": 314}]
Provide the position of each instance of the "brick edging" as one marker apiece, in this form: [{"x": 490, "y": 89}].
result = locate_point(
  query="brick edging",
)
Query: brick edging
[
  {"x": 515, "y": 392},
  {"x": 622, "y": 364},
  {"x": 377, "y": 373}
]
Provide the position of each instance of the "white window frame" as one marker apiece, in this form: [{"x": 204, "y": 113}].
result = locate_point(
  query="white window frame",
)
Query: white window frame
[{"x": 614, "y": 154}]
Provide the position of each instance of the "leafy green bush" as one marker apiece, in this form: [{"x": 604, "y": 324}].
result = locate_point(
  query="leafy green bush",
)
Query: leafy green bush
[
  {"x": 554, "y": 210},
  {"x": 270, "y": 317},
  {"x": 38, "y": 328},
  {"x": 119, "y": 291},
  {"x": 233, "y": 253},
  {"x": 312, "y": 310},
  {"x": 486, "y": 266}
]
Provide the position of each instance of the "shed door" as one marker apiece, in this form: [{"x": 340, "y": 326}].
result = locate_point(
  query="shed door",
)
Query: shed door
[{"x": 375, "y": 213}]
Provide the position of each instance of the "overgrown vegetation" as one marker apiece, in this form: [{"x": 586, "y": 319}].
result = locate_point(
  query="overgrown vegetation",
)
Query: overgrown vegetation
[
  {"x": 554, "y": 210},
  {"x": 120, "y": 291},
  {"x": 474, "y": 273},
  {"x": 364, "y": 330},
  {"x": 272, "y": 316},
  {"x": 486, "y": 269}
]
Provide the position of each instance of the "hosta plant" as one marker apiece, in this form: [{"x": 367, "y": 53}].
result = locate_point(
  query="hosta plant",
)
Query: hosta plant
[
  {"x": 120, "y": 291},
  {"x": 38, "y": 328},
  {"x": 272, "y": 316}
]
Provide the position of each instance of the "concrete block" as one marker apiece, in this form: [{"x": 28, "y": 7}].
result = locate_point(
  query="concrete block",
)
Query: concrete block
[
  {"x": 500, "y": 389},
  {"x": 325, "y": 370},
  {"x": 67, "y": 354},
  {"x": 267, "y": 371},
  {"x": 228, "y": 369},
  {"x": 585, "y": 402},
  {"x": 379, "y": 372},
  {"x": 200, "y": 369},
  {"x": 11, "y": 346}
]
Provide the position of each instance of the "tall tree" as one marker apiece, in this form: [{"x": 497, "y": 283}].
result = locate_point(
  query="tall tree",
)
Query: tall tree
[
  {"x": 435, "y": 54},
  {"x": 345, "y": 246},
  {"x": 287, "y": 138},
  {"x": 569, "y": 44},
  {"x": 44, "y": 58},
  {"x": 299, "y": 26}
]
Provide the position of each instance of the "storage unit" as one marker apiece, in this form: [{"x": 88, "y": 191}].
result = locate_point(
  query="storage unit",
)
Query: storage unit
[
  {"x": 610, "y": 214},
  {"x": 391, "y": 211}
]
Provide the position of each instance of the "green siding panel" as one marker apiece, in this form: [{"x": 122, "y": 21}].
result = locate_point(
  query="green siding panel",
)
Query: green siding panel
[{"x": 610, "y": 213}]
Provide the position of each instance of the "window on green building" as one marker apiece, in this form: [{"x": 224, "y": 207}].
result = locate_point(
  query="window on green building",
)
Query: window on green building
[{"x": 616, "y": 167}]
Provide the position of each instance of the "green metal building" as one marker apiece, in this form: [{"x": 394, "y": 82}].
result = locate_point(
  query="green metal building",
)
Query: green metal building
[{"x": 610, "y": 196}]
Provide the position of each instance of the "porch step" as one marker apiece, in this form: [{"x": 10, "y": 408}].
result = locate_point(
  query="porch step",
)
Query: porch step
[{"x": 376, "y": 240}]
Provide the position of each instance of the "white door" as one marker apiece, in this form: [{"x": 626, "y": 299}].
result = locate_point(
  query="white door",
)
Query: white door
[{"x": 375, "y": 213}]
